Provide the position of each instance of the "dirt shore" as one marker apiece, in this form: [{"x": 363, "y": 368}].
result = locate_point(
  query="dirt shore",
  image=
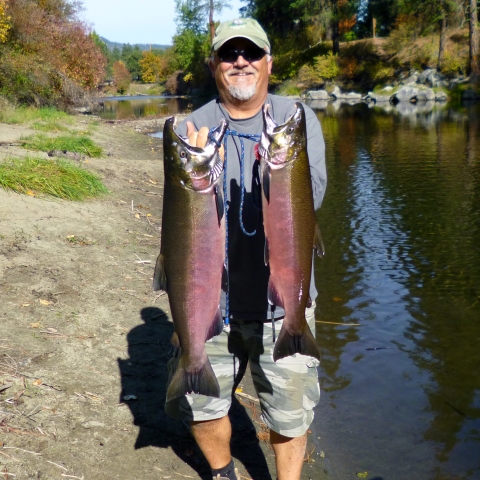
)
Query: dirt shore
[{"x": 83, "y": 339}]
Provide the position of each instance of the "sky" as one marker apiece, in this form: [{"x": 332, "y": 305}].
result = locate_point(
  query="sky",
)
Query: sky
[{"x": 139, "y": 21}]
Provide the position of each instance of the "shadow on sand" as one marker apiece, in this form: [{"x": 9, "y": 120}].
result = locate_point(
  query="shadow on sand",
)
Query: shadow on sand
[{"x": 144, "y": 374}]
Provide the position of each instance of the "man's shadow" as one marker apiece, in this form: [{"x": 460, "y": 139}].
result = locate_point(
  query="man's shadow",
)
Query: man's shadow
[{"x": 144, "y": 380}]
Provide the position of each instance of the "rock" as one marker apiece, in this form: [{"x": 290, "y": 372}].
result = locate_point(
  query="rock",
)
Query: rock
[
  {"x": 336, "y": 92},
  {"x": 426, "y": 95},
  {"x": 388, "y": 88},
  {"x": 353, "y": 96},
  {"x": 411, "y": 80},
  {"x": 377, "y": 98},
  {"x": 318, "y": 104},
  {"x": 426, "y": 74},
  {"x": 318, "y": 95},
  {"x": 406, "y": 94},
  {"x": 441, "y": 97}
]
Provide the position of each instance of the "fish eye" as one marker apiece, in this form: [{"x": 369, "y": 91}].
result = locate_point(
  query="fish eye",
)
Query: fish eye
[
  {"x": 183, "y": 154},
  {"x": 290, "y": 130}
]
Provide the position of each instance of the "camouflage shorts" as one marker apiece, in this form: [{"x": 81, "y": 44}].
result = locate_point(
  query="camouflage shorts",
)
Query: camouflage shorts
[{"x": 288, "y": 389}]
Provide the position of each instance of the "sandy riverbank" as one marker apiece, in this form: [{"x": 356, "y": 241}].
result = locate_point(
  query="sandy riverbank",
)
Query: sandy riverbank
[{"x": 83, "y": 339}]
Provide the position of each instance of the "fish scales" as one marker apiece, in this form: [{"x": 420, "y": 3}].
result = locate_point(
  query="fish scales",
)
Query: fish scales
[
  {"x": 290, "y": 225},
  {"x": 191, "y": 261}
]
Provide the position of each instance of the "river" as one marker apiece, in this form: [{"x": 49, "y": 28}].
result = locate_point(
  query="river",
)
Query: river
[{"x": 398, "y": 318}]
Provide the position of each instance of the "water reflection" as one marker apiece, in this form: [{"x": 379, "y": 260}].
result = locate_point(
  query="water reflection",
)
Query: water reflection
[
  {"x": 122, "y": 108},
  {"x": 401, "y": 224}
]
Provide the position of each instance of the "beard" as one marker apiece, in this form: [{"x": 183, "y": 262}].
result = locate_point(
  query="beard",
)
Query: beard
[{"x": 242, "y": 92}]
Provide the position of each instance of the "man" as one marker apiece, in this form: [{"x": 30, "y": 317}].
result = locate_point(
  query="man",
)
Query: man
[{"x": 288, "y": 389}]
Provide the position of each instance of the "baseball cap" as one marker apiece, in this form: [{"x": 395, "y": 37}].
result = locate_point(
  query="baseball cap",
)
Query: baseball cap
[{"x": 241, "y": 27}]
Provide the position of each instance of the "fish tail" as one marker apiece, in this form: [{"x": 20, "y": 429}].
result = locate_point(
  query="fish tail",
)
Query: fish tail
[
  {"x": 289, "y": 343},
  {"x": 202, "y": 381}
]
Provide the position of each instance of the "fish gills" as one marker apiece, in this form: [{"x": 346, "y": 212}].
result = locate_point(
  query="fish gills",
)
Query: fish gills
[
  {"x": 190, "y": 267},
  {"x": 290, "y": 228}
]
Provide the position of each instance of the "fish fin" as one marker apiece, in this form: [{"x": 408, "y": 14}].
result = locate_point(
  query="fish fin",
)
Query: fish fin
[
  {"x": 202, "y": 381},
  {"x": 302, "y": 342},
  {"x": 216, "y": 328},
  {"x": 318, "y": 244},
  {"x": 273, "y": 295},
  {"x": 159, "y": 277},
  {"x": 225, "y": 278},
  {"x": 309, "y": 302},
  {"x": 219, "y": 203},
  {"x": 175, "y": 341},
  {"x": 266, "y": 253},
  {"x": 266, "y": 182}
]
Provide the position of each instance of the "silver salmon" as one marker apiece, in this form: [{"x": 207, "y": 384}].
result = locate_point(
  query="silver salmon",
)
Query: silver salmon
[
  {"x": 191, "y": 264},
  {"x": 290, "y": 228}
]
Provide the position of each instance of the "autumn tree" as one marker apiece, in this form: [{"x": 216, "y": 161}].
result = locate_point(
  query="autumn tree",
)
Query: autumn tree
[
  {"x": 121, "y": 77},
  {"x": 4, "y": 21},
  {"x": 152, "y": 67},
  {"x": 49, "y": 56}
]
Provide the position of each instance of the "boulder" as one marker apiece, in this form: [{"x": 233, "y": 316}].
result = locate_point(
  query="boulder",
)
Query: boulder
[
  {"x": 426, "y": 95},
  {"x": 441, "y": 97},
  {"x": 318, "y": 95},
  {"x": 411, "y": 80},
  {"x": 406, "y": 94}
]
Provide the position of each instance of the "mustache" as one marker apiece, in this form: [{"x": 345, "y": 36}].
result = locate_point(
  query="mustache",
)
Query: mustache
[{"x": 235, "y": 71}]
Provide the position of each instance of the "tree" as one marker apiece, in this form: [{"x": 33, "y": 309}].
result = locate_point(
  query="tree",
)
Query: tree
[
  {"x": 4, "y": 22},
  {"x": 121, "y": 77},
  {"x": 152, "y": 67},
  {"x": 473, "y": 39}
]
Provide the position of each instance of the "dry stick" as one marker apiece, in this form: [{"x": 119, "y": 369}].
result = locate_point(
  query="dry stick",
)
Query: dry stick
[
  {"x": 57, "y": 465},
  {"x": 27, "y": 451},
  {"x": 248, "y": 397},
  {"x": 73, "y": 476}
]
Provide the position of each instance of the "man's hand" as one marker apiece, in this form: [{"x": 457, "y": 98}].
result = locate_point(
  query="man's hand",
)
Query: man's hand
[{"x": 199, "y": 139}]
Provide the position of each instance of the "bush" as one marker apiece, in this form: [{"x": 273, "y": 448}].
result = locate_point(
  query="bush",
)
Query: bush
[{"x": 453, "y": 64}]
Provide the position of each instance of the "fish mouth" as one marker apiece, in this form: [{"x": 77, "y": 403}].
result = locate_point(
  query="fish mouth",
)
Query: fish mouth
[{"x": 198, "y": 168}]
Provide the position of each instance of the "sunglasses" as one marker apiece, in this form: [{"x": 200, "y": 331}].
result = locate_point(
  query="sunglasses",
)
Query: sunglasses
[{"x": 250, "y": 54}]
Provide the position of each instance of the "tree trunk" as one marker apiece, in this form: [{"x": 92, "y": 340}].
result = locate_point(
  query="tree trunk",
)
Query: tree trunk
[
  {"x": 335, "y": 38},
  {"x": 211, "y": 22},
  {"x": 474, "y": 59},
  {"x": 441, "y": 46}
]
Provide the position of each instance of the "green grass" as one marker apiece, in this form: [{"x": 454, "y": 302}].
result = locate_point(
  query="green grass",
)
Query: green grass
[
  {"x": 49, "y": 126},
  {"x": 27, "y": 114},
  {"x": 69, "y": 143},
  {"x": 56, "y": 178}
]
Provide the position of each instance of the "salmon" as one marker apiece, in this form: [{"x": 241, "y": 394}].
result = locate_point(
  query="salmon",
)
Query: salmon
[
  {"x": 290, "y": 228},
  {"x": 191, "y": 265}
]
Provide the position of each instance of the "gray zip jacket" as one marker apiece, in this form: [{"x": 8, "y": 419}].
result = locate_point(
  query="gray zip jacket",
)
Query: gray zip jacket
[{"x": 248, "y": 274}]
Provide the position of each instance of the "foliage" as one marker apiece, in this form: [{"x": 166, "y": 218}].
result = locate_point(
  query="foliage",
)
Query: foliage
[
  {"x": 151, "y": 67},
  {"x": 453, "y": 64},
  {"x": 121, "y": 77},
  {"x": 326, "y": 66},
  {"x": 4, "y": 21},
  {"x": 56, "y": 178},
  {"x": 49, "y": 55},
  {"x": 69, "y": 143},
  {"x": 403, "y": 31}
]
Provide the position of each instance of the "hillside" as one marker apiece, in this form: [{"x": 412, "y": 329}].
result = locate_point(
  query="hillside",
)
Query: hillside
[{"x": 142, "y": 46}]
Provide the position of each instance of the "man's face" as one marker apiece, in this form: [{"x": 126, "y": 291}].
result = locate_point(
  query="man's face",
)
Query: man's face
[{"x": 239, "y": 78}]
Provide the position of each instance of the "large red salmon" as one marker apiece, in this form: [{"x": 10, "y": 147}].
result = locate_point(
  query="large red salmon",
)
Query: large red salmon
[
  {"x": 190, "y": 266},
  {"x": 290, "y": 228}
]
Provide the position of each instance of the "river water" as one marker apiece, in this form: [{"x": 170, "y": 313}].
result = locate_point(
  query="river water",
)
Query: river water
[{"x": 398, "y": 318}]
